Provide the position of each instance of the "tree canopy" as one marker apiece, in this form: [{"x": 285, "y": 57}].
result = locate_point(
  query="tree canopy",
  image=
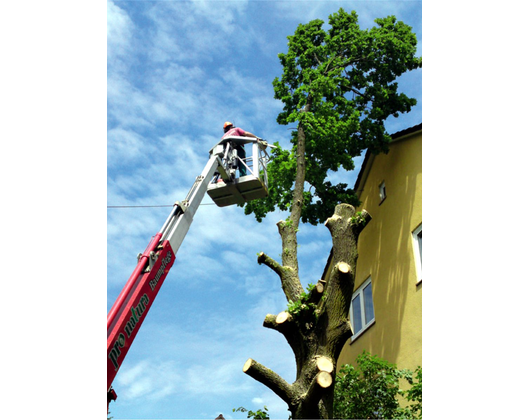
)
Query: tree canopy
[{"x": 338, "y": 86}]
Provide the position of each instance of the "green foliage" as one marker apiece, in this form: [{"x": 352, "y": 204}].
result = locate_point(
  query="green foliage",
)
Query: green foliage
[
  {"x": 302, "y": 307},
  {"x": 339, "y": 87},
  {"x": 359, "y": 219},
  {"x": 370, "y": 391},
  {"x": 260, "y": 414},
  {"x": 414, "y": 395}
]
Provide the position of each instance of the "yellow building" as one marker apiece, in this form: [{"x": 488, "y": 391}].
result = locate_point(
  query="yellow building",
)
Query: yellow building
[{"x": 386, "y": 307}]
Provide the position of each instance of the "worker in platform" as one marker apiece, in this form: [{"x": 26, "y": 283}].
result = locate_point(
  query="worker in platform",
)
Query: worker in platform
[{"x": 230, "y": 130}]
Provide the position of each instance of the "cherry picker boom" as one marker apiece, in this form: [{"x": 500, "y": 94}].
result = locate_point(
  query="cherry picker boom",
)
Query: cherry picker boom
[{"x": 219, "y": 181}]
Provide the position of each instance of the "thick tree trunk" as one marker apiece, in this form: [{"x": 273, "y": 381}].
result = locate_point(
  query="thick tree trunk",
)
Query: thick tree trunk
[{"x": 318, "y": 334}]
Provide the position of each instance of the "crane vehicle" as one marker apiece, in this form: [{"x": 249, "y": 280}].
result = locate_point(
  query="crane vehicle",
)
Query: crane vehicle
[{"x": 218, "y": 179}]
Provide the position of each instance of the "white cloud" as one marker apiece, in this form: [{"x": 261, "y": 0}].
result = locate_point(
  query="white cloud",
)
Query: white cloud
[
  {"x": 187, "y": 31},
  {"x": 119, "y": 32},
  {"x": 149, "y": 380},
  {"x": 123, "y": 145},
  {"x": 294, "y": 10}
]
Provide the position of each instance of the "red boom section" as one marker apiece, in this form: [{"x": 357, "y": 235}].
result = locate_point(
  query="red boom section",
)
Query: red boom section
[{"x": 131, "y": 307}]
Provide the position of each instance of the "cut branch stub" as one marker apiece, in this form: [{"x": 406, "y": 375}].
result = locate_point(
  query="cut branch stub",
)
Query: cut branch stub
[
  {"x": 280, "y": 322},
  {"x": 248, "y": 365},
  {"x": 320, "y": 286},
  {"x": 316, "y": 293},
  {"x": 367, "y": 216},
  {"x": 270, "y": 321},
  {"x": 283, "y": 317},
  {"x": 324, "y": 364},
  {"x": 324, "y": 379},
  {"x": 344, "y": 268}
]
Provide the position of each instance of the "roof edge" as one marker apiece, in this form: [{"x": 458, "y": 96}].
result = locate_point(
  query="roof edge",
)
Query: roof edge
[{"x": 369, "y": 157}]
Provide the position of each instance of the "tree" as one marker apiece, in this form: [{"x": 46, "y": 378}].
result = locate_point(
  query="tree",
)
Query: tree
[
  {"x": 259, "y": 414},
  {"x": 339, "y": 87},
  {"x": 370, "y": 391}
]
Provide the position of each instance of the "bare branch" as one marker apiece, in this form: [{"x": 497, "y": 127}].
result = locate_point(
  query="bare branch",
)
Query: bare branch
[
  {"x": 289, "y": 277},
  {"x": 320, "y": 382},
  {"x": 270, "y": 379},
  {"x": 271, "y": 263}
]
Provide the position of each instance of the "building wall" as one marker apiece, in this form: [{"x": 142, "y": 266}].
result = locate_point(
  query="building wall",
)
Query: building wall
[{"x": 386, "y": 254}]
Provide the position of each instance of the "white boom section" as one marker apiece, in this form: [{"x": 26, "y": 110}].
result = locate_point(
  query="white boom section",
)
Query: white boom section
[
  {"x": 228, "y": 191},
  {"x": 178, "y": 223}
]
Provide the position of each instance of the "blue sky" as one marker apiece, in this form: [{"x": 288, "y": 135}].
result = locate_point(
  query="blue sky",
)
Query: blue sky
[{"x": 176, "y": 70}]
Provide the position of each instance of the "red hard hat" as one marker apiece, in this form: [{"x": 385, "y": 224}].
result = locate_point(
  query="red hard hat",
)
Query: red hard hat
[{"x": 227, "y": 124}]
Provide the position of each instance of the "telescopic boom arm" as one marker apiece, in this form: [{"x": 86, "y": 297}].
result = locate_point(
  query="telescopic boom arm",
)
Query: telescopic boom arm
[
  {"x": 131, "y": 307},
  {"x": 133, "y": 303}
]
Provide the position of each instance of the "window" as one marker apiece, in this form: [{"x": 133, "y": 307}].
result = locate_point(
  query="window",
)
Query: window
[
  {"x": 362, "y": 308},
  {"x": 417, "y": 239},
  {"x": 382, "y": 191}
]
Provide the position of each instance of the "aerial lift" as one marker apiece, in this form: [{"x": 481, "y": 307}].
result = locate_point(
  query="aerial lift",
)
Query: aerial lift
[{"x": 218, "y": 179}]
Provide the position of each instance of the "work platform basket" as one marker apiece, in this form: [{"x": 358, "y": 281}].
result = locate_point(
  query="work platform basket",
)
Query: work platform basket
[{"x": 239, "y": 190}]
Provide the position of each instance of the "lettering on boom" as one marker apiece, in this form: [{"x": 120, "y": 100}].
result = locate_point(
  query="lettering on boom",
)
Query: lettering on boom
[
  {"x": 160, "y": 271},
  {"x": 136, "y": 314}
]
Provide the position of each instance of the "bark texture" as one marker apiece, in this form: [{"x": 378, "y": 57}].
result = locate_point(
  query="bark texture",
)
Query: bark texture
[{"x": 317, "y": 333}]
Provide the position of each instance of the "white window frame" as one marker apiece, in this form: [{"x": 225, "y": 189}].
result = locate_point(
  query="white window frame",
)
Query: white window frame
[
  {"x": 382, "y": 192},
  {"x": 417, "y": 239},
  {"x": 364, "y": 325}
]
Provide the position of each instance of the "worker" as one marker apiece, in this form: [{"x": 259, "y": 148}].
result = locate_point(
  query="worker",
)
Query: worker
[{"x": 230, "y": 130}]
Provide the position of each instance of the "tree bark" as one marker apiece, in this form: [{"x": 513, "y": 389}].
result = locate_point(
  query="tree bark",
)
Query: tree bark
[
  {"x": 288, "y": 229},
  {"x": 317, "y": 334}
]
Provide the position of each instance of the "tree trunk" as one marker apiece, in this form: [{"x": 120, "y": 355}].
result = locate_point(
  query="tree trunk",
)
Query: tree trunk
[{"x": 316, "y": 335}]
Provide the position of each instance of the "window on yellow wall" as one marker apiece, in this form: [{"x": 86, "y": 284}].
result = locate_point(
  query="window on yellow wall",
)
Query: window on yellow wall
[
  {"x": 362, "y": 308},
  {"x": 382, "y": 191},
  {"x": 416, "y": 241}
]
